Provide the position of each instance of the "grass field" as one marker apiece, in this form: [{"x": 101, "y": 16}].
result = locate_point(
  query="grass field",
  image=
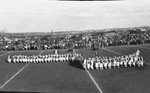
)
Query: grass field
[{"x": 64, "y": 78}]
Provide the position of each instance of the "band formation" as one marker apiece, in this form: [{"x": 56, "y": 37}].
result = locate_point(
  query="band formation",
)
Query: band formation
[{"x": 96, "y": 62}]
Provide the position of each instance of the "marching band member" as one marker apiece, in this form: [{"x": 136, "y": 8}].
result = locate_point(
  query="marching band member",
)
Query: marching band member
[
  {"x": 25, "y": 59},
  {"x": 61, "y": 58},
  {"x": 36, "y": 59},
  {"x": 9, "y": 59},
  {"x": 140, "y": 61},
  {"x": 118, "y": 62},
  {"x": 67, "y": 58},
  {"x": 130, "y": 61},
  {"x": 109, "y": 63},
  {"x": 101, "y": 64},
  {"x": 105, "y": 63},
  {"x": 134, "y": 61},
  {"x": 121, "y": 61},
  {"x": 42, "y": 59},
  {"x": 56, "y": 58},
  {"x": 97, "y": 63},
  {"x": 14, "y": 59},
  {"x": 125, "y": 62},
  {"x": 21, "y": 59},
  {"x": 50, "y": 58},
  {"x": 31, "y": 59},
  {"x": 88, "y": 63},
  {"x": 92, "y": 63},
  {"x": 53, "y": 59},
  {"x": 114, "y": 62},
  {"x": 17, "y": 60},
  {"x": 46, "y": 59},
  {"x": 85, "y": 63}
]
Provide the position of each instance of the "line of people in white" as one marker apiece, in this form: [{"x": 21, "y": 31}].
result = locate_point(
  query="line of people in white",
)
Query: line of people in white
[
  {"x": 113, "y": 62},
  {"x": 41, "y": 58},
  {"x": 97, "y": 62}
]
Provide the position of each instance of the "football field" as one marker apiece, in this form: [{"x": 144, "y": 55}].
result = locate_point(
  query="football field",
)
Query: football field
[{"x": 61, "y": 77}]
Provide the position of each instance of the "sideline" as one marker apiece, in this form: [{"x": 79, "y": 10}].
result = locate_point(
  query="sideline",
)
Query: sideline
[{"x": 94, "y": 81}]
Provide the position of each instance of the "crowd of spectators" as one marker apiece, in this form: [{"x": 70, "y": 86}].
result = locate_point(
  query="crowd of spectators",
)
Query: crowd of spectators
[{"x": 93, "y": 40}]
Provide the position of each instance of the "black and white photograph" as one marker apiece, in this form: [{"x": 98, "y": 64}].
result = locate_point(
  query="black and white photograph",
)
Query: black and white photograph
[{"x": 74, "y": 46}]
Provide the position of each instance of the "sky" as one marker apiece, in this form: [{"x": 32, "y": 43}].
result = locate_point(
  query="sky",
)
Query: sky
[{"x": 45, "y": 15}]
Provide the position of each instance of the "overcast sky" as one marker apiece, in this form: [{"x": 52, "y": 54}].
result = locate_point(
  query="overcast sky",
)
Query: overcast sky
[{"x": 46, "y": 15}]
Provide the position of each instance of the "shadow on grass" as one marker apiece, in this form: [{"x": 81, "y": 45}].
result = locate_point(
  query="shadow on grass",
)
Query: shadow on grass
[
  {"x": 145, "y": 67},
  {"x": 76, "y": 64}
]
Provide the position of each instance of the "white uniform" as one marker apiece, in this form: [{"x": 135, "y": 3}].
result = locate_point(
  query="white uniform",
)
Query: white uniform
[
  {"x": 60, "y": 58},
  {"x": 130, "y": 61},
  {"x": 109, "y": 65},
  {"x": 26, "y": 61},
  {"x": 36, "y": 59},
  {"x": 114, "y": 63},
  {"x": 88, "y": 64},
  {"x": 141, "y": 61},
  {"x": 92, "y": 63},
  {"x": 125, "y": 62},
  {"x": 14, "y": 60},
  {"x": 17, "y": 60},
  {"x": 42, "y": 59},
  {"x": 67, "y": 58},
  {"x": 56, "y": 58},
  {"x": 21, "y": 60},
  {"x": 45, "y": 59},
  {"x": 50, "y": 59},
  {"x": 101, "y": 65},
  {"x": 105, "y": 62},
  {"x": 9, "y": 59},
  {"x": 135, "y": 60},
  {"x": 97, "y": 64},
  {"x": 118, "y": 63},
  {"x": 31, "y": 60},
  {"x": 85, "y": 63},
  {"x": 121, "y": 62}
]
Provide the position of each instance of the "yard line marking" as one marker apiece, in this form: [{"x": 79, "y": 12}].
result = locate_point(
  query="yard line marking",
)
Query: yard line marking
[
  {"x": 5, "y": 53},
  {"x": 15, "y": 74},
  {"x": 147, "y": 63},
  {"x": 120, "y": 54},
  {"x": 94, "y": 81}
]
